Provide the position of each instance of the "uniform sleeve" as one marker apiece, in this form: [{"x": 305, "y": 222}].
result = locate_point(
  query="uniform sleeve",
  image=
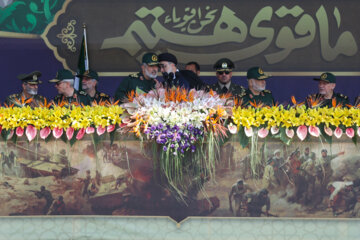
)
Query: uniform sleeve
[{"x": 122, "y": 90}]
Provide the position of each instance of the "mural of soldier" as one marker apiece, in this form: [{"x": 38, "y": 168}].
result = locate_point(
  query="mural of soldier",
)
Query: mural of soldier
[{"x": 238, "y": 192}]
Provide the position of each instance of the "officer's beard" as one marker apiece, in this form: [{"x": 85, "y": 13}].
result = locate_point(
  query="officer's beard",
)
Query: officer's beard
[
  {"x": 31, "y": 91},
  {"x": 149, "y": 74},
  {"x": 257, "y": 87}
]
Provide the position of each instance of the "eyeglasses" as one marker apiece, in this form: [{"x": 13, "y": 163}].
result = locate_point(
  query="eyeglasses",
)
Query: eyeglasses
[{"x": 222, "y": 72}]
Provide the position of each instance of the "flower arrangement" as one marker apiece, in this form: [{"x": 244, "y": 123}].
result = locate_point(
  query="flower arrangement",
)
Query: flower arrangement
[
  {"x": 75, "y": 119},
  {"x": 179, "y": 121}
]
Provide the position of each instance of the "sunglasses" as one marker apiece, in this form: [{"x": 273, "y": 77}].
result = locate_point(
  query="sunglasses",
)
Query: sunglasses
[{"x": 222, "y": 72}]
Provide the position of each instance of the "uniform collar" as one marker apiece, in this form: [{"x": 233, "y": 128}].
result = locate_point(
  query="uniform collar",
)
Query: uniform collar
[{"x": 224, "y": 85}]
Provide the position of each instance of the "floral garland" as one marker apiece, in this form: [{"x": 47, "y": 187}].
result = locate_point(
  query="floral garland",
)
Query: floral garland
[
  {"x": 316, "y": 121},
  {"x": 59, "y": 120}
]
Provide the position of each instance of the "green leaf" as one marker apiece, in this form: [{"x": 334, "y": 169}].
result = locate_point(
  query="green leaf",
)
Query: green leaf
[
  {"x": 283, "y": 137},
  {"x": 32, "y": 20},
  {"x": 63, "y": 137},
  {"x": 244, "y": 140},
  {"x": 73, "y": 139},
  {"x": 112, "y": 137},
  {"x": 327, "y": 138},
  {"x": 33, "y": 7},
  {"x": 8, "y": 11}
]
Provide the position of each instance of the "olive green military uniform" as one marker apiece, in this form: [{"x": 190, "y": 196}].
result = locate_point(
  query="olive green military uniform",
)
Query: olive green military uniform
[
  {"x": 339, "y": 98},
  {"x": 79, "y": 96},
  {"x": 225, "y": 86},
  {"x": 99, "y": 96},
  {"x": 16, "y": 99},
  {"x": 19, "y": 100},
  {"x": 265, "y": 97},
  {"x": 137, "y": 82},
  {"x": 134, "y": 82},
  {"x": 234, "y": 89}
]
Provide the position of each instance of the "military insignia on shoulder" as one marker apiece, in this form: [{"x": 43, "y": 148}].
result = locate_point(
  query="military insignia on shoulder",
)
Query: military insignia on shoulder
[
  {"x": 82, "y": 93},
  {"x": 267, "y": 91},
  {"x": 134, "y": 75},
  {"x": 103, "y": 95}
]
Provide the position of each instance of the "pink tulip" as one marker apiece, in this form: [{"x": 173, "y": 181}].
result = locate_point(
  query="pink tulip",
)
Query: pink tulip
[
  {"x": 90, "y": 130},
  {"x": 301, "y": 132},
  {"x": 110, "y": 128},
  {"x": 290, "y": 133},
  {"x": 45, "y": 132},
  {"x": 19, "y": 131},
  {"x": 274, "y": 130},
  {"x": 248, "y": 131},
  {"x": 263, "y": 132},
  {"x": 314, "y": 131},
  {"x": 338, "y": 132},
  {"x": 80, "y": 134},
  {"x": 100, "y": 130},
  {"x": 328, "y": 131},
  {"x": 30, "y": 132},
  {"x": 57, "y": 132},
  {"x": 350, "y": 132},
  {"x": 70, "y": 133}
]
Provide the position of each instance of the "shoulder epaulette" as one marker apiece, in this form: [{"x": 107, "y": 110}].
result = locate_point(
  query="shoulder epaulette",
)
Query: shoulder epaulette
[
  {"x": 103, "y": 95},
  {"x": 82, "y": 93},
  {"x": 267, "y": 91},
  {"x": 343, "y": 96},
  {"x": 134, "y": 75}
]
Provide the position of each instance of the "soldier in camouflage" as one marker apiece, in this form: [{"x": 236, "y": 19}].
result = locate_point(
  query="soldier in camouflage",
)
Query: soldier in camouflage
[
  {"x": 256, "y": 93},
  {"x": 326, "y": 94},
  {"x": 89, "y": 80},
  {"x": 29, "y": 95},
  {"x": 64, "y": 83},
  {"x": 141, "y": 82}
]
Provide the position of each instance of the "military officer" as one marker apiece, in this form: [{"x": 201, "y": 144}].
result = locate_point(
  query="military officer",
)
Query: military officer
[
  {"x": 223, "y": 68},
  {"x": 256, "y": 93},
  {"x": 89, "y": 80},
  {"x": 64, "y": 83},
  {"x": 141, "y": 82},
  {"x": 326, "y": 94},
  {"x": 30, "y": 83}
]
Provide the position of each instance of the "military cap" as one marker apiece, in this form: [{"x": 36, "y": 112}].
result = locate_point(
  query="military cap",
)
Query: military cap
[
  {"x": 327, "y": 77},
  {"x": 224, "y": 64},
  {"x": 61, "y": 75},
  {"x": 167, "y": 57},
  {"x": 324, "y": 150},
  {"x": 150, "y": 59},
  {"x": 31, "y": 78},
  {"x": 90, "y": 74},
  {"x": 256, "y": 73}
]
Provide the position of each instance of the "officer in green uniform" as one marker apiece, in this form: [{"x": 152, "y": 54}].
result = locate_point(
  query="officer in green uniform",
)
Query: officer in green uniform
[
  {"x": 223, "y": 68},
  {"x": 256, "y": 93},
  {"x": 64, "y": 83},
  {"x": 326, "y": 94},
  {"x": 30, "y": 83},
  {"x": 89, "y": 80},
  {"x": 141, "y": 82}
]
